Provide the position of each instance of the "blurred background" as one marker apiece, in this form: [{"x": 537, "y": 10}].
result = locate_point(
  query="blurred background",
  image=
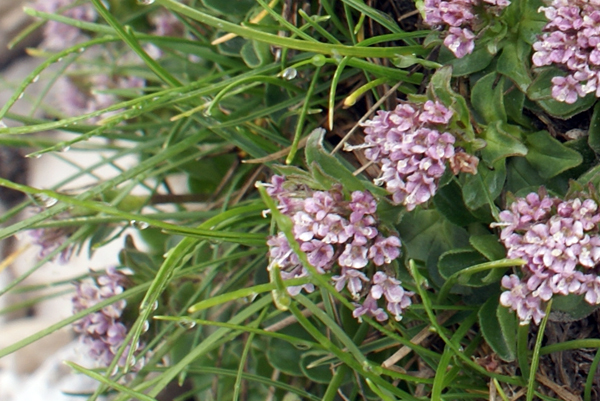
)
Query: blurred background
[{"x": 36, "y": 372}]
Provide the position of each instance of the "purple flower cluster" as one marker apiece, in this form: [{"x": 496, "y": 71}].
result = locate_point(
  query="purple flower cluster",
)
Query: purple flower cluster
[
  {"x": 49, "y": 239},
  {"x": 77, "y": 97},
  {"x": 570, "y": 42},
  {"x": 412, "y": 148},
  {"x": 59, "y": 36},
  {"x": 462, "y": 17},
  {"x": 339, "y": 237},
  {"x": 103, "y": 332},
  {"x": 560, "y": 242}
]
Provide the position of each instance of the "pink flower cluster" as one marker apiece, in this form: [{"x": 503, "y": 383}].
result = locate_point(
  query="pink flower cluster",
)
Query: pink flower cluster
[
  {"x": 59, "y": 36},
  {"x": 570, "y": 42},
  {"x": 339, "y": 237},
  {"x": 560, "y": 242},
  {"x": 411, "y": 147},
  {"x": 104, "y": 331},
  {"x": 76, "y": 97},
  {"x": 462, "y": 19}
]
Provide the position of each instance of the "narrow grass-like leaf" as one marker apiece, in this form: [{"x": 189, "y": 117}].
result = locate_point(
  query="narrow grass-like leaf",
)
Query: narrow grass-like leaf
[
  {"x": 275, "y": 40},
  {"x": 589, "y": 381},
  {"x": 108, "y": 382},
  {"x": 535, "y": 358},
  {"x": 302, "y": 117},
  {"x": 419, "y": 280},
  {"x": 442, "y": 368}
]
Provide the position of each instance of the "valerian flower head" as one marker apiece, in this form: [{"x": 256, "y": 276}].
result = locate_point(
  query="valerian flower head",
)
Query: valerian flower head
[
  {"x": 49, "y": 239},
  {"x": 463, "y": 18},
  {"x": 560, "y": 243},
  {"x": 412, "y": 148},
  {"x": 58, "y": 36},
  {"x": 341, "y": 237},
  {"x": 103, "y": 331},
  {"x": 570, "y": 42}
]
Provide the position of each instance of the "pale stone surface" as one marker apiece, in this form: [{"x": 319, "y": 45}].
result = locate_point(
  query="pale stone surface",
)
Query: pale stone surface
[
  {"x": 28, "y": 359},
  {"x": 36, "y": 372},
  {"x": 52, "y": 381}
]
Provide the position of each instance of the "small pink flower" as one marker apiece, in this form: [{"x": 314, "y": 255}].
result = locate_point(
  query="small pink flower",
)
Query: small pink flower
[{"x": 460, "y": 41}]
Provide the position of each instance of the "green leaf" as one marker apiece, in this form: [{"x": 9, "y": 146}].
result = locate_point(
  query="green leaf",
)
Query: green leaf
[
  {"x": 515, "y": 66},
  {"x": 455, "y": 260},
  {"x": 502, "y": 141},
  {"x": 233, "y": 47},
  {"x": 541, "y": 91},
  {"x": 321, "y": 162},
  {"x": 488, "y": 245},
  {"x": 476, "y": 61},
  {"x": 320, "y": 373},
  {"x": 570, "y": 307},
  {"x": 281, "y": 355},
  {"x": 548, "y": 156},
  {"x": 514, "y": 102},
  {"x": 531, "y": 21},
  {"x": 594, "y": 132},
  {"x": 487, "y": 98},
  {"x": 520, "y": 175},
  {"x": 448, "y": 201},
  {"x": 440, "y": 87},
  {"x": 502, "y": 342},
  {"x": 256, "y": 54},
  {"x": 426, "y": 235},
  {"x": 485, "y": 186},
  {"x": 530, "y": 30},
  {"x": 296, "y": 175}
]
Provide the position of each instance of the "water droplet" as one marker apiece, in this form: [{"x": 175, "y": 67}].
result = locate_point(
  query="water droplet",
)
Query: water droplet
[
  {"x": 20, "y": 96},
  {"x": 145, "y": 2},
  {"x": 289, "y": 73},
  {"x": 188, "y": 324},
  {"x": 43, "y": 200},
  {"x": 155, "y": 305},
  {"x": 3, "y": 125},
  {"x": 336, "y": 55},
  {"x": 318, "y": 60},
  {"x": 63, "y": 147},
  {"x": 34, "y": 155},
  {"x": 58, "y": 60},
  {"x": 35, "y": 79},
  {"x": 81, "y": 49},
  {"x": 145, "y": 326},
  {"x": 142, "y": 225},
  {"x": 155, "y": 98}
]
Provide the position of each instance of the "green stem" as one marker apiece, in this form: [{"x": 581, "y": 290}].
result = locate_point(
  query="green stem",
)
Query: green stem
[
  {"x": 495, "y": 264},
  {"x": 302, "y": 117},
  {"x": 535, "y": 360},
  {"x": 589, "y": 382},
  {"x": 523, "y": 358}
]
